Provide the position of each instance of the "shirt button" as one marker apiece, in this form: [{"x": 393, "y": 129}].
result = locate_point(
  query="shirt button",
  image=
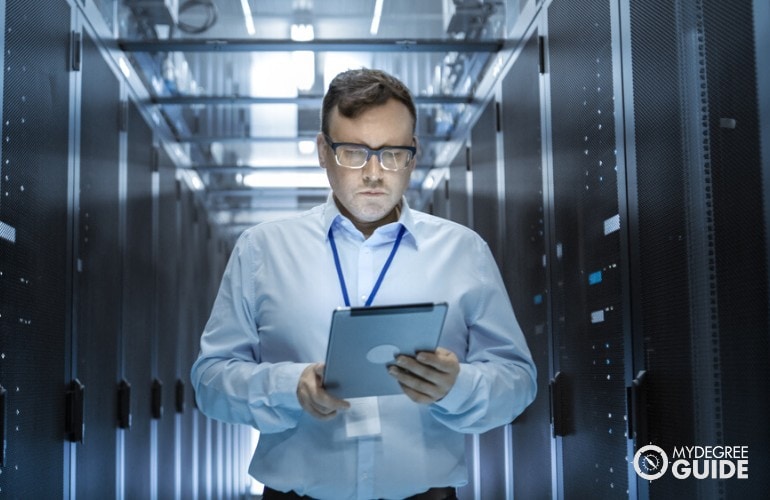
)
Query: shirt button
[{"x": 363, "y": 297}]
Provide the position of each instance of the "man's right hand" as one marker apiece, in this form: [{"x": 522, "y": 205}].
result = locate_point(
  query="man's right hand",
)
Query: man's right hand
[{"x": 314, "y": 398}]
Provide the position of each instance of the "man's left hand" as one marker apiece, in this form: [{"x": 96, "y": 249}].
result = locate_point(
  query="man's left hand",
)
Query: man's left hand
[{"x": 427, "y": 377}]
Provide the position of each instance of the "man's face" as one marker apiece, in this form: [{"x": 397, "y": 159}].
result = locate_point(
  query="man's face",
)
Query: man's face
[{"x": 368, "y": 194}]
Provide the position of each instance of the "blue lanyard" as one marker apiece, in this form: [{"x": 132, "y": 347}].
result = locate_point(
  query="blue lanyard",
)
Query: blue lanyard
[{"x": 341, "y": 276}]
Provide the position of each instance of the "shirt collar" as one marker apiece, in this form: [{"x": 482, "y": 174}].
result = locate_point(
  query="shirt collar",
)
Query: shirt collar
[{"x": 332, "y": 215}]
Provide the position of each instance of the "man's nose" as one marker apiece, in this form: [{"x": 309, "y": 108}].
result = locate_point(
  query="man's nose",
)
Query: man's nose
[{"x": 372, "y": 168}]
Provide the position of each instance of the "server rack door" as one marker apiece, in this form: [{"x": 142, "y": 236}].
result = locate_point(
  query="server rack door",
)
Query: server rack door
[
  {"x": 189, "y": 338},
  {"x": 485, "y": 199},
  {"x": 209, "y": 435},
  {"x": 739, "y": 240},
  {"x": 700, "y": 256},
  {"x": 169, "y": 333},
  {"x": 458, "y": 188},
  {"x": 139, "y": 303},
  {"x": 524, "y": 251},
  {"x": 585, "y": 253},
  {"x": 34, "y": 246},
  {"x": 483, "y": 160},
  {"x": 98, "y": 280},
  {"x": 439, "y": 204}
]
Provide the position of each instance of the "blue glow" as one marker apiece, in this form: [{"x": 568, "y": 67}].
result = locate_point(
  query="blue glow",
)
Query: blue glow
[
  {"x": 595, "y": 278},
  {"x": 538, "y": 299}
]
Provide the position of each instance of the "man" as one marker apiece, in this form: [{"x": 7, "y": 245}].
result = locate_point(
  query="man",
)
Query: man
[{"x": 260, "y": 352}]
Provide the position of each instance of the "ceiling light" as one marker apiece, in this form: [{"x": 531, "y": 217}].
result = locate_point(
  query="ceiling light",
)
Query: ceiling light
[
  {"x": 248, "y": 17},
  {"x": 124, "y": 68},
  {"x": 193, "y": 179},
  {"x": 376, "y": 18},
  {"x": 302, "y": 32},
  {"x": 306, "y": 147},
  {"x": 287, "y": 179},
  {"x": 303, "y": 68}
]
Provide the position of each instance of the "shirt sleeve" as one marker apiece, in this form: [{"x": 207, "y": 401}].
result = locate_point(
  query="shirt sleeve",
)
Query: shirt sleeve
[
  {"x": 497, "y": 378},
  {"x": 230, "y": 382}
]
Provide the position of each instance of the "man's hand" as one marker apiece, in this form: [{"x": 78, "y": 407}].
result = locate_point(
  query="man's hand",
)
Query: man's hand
[
  {"x": 427, "y": 377},
  {"x": 314, "y": 398}
]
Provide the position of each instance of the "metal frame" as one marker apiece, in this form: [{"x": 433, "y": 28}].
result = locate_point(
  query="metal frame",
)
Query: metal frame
[{"x": 267, "y": 45}]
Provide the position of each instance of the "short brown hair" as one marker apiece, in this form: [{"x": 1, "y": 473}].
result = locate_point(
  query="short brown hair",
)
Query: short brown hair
[{"x": 357, "y": 90}]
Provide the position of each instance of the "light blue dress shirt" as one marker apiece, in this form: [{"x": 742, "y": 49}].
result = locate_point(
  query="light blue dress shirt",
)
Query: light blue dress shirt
[{"x": 271, "y": 319}]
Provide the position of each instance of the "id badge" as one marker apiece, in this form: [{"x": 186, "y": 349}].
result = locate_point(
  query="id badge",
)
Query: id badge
[{"x": 362, "y": 418}]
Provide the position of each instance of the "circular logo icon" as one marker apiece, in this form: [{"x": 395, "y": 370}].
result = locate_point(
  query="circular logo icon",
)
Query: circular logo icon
[{"x": 650, "y": 462}]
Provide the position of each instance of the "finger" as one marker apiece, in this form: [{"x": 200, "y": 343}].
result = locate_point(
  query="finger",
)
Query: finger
[
  {"x": 416, "y": 396},
  {"x": 416, "y": 367},
  {"x": 416, "y": 385},
  {"x": 442, "y": 360},
  {"x": 314, "y": 399}
]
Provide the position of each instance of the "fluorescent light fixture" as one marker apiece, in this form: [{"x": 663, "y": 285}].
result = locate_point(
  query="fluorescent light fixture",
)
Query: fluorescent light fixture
[
  {"x": 248, "y": 17},
  {"x": 193, "y": 179},
  {"x": 302, "y": 32},
  {"x": 306, "y": 147},
  {"x": 375, "y": 28},
  {"x": 287, "y": 179},
  {"x": 124, "y": 68},
  {"x": 303, "y": 67}
]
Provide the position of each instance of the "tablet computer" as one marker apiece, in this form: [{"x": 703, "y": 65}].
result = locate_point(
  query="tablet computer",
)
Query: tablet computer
[{"x": 363, "y": 341}]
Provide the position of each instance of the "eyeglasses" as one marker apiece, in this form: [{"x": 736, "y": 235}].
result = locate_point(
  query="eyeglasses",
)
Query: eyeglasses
[{"x": 351, "y": 155}]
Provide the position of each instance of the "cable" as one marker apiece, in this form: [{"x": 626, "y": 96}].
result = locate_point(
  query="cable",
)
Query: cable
[{"x": 212, "y": 14}]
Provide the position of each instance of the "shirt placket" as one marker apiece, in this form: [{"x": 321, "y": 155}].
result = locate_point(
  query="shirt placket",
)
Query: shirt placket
[{"x": 367, "y": 274}]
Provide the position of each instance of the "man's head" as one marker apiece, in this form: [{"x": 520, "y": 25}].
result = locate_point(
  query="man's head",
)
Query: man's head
[
  {"x": 354, "y": 91},
  {"x": 365, "y": 112}
]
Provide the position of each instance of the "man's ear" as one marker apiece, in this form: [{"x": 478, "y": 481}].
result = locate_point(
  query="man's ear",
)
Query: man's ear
[{"x": 320, "y": 146}]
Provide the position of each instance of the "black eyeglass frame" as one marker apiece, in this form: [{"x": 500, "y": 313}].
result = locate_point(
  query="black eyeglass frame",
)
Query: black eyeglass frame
[{"x": 369, "y": 152}]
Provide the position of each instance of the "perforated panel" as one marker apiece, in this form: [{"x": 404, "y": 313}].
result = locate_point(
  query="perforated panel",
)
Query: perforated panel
[
  {"x": 138, "y": 317},
  {"x": 663, "y": 284},
  {"x": 170, "y": 336},
  {"x": 523, "y": 266},
  {"x": 33, "y": 244},
  {"x": 740, "y": 239},
  {"x": 585, "y": 256},
  {"x": 458, "y": 188},
  {"x": 439, "y": 204},
  {"x": 484, "y": 168},
  {"x": 702, "y": 256},
  {"x": 99, "y": 278},
  {"x": 189, "y": 342}
]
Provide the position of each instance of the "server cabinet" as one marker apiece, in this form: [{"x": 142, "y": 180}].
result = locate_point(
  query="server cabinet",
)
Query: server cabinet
[
  {"x": 138, "y": 347},
  {"x": 439, "y": 201},
  {"x": 169, "y": 333},
  {"x": 699, "y": 233},
  {"x": 483, "y": 164},
  {"x": 524, "y": 260},
  {"x": 34, "y": 246},
  {"x": 188, "y": 341},
  {"x": 584, "y": 256},
  {"x": 458, "y": 188},
  {"x": 493, "y": 445},
  {"x": 99, "y": 278}
]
